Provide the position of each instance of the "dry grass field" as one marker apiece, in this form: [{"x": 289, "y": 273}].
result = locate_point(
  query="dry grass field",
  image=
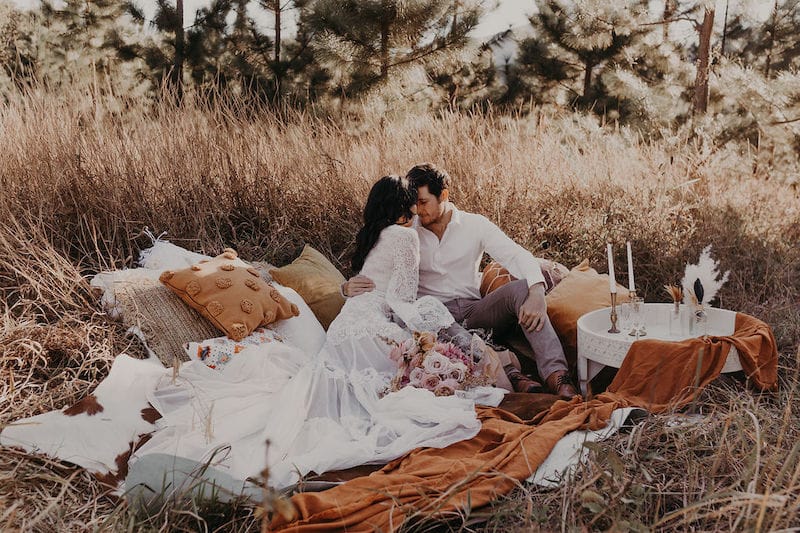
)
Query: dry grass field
[{"x": 82, "y": 175}]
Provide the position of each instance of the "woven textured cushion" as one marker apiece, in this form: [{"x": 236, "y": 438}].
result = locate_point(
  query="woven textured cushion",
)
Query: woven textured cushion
[
  {"x": 229, "y": 294},
  {"x": 495, "y": 276},
  {"x": 164, "y": 321},
  {"x": 316, "y": 280},
  {"x": 581, "y": 291}
]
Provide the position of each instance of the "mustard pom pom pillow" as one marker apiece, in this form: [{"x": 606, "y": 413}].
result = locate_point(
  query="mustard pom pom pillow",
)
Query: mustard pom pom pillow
[{"x": 230, "y": 294}]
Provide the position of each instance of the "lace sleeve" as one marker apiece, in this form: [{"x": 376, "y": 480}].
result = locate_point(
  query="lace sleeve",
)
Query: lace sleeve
[
  {"x": 403, "y": 282},
  {"x": 425, "y": 314}
]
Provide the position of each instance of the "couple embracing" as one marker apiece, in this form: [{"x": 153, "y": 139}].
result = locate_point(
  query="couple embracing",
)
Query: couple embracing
[
  {"x": 417, "y": 258},
  {"x": 411, "y": 221}
]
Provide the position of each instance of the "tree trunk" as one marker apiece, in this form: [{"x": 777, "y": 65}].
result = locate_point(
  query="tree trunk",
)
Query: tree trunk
[
  {"x": 700, "y": 100},
  {"x": 587, "y": 78},
  {"x": 454, "y": 27},
  {"x": 278, "y": 72},
  {"x": 724, "y": 30},
  {"x": 771, "y": 45},
  {"x": 669, "y": 11},
  {"x": 384, "y": 48},
  {"x": 176, "y": 76}
]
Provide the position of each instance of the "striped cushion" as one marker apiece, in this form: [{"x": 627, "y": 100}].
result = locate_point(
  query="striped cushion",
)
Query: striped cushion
[{"x": 495, "y": 276}]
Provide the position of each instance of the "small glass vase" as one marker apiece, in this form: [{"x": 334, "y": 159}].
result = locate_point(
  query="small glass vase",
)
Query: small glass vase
[
  {"x": 675, "y": 322},
  {"x": 698, "y": 321}
]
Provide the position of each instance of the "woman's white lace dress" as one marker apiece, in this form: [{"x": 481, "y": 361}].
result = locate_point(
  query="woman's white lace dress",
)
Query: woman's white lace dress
[{"x": 324, "y": 411}]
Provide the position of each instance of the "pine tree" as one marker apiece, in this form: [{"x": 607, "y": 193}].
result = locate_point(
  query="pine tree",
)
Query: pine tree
[
  {"x": 163, "y": 55},
  {"x": 276, "y": 65},
  {"x": 301, "y": 67},
  {"x": 367, "y": 43},
  {"x": 574, "y": 43},
  {"x": 465, "y": 77},
  {"x": 220, "y": 58},
  {"x": 18, "y": 65},
  {"x": 772, "y": 45},
  {"x": 75, "y": 41}
]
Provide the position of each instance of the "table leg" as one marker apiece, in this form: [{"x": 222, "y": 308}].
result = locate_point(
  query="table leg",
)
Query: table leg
[{"x": 583, "y": 373}]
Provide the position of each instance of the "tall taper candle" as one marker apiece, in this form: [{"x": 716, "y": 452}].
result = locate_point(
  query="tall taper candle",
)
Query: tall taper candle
[
  {"x": 612, "y": 281},
  {"x": 631, "y": 284}
]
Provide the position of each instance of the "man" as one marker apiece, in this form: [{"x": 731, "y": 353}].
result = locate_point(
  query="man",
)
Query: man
[{"x": 452, "y": 244}]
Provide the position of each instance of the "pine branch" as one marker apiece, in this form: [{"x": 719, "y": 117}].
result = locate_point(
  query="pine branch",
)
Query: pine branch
[
  {"x": 136, "y": 12},
  {"x": 785, "y": 121}
]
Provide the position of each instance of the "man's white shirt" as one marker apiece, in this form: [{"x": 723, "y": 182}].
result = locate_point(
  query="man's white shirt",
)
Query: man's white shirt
[{"x": 449, "y": 269}]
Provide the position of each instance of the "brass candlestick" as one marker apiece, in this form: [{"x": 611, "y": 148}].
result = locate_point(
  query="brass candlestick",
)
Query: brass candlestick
[{"x": 613, "y": 313}]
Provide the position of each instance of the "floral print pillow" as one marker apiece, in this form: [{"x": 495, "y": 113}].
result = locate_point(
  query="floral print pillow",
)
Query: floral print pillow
[{"x": 218, "y": 352}]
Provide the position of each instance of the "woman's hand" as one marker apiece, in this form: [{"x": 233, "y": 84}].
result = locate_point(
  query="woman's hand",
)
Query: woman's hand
[{"x": 357, "y": 285}]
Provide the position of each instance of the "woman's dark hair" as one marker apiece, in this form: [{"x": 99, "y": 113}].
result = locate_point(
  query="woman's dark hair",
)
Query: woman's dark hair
[
  {"x": 389, "y": 199},
  {"x": 436, "y": 179}
]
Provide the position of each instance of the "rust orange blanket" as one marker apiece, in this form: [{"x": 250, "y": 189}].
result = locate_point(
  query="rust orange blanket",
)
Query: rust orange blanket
[{"x": 657, "y": 375}]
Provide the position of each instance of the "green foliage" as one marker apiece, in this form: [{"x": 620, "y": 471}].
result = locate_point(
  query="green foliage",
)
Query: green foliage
[
  {"x": 61, "y": 45},
  {"x": 574, "y": 43},
  {"x": 364, "y": 44},
  {"x": 625, "y": 63},
  {"x": 769, "y": 46},
  {"x": 18, "y": 61}
]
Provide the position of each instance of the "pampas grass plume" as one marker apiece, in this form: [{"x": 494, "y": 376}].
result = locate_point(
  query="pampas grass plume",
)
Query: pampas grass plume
[{"x": 707, "y": 272}]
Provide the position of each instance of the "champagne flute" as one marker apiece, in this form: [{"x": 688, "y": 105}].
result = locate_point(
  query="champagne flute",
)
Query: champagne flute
[
  {"x": 637, "y": 316},
  {"x": 624, "y": 315}
]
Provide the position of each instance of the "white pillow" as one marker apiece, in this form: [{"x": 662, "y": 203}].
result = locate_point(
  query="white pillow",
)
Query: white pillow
[
  {"x": 303, "y": 331},
  {"x": 164, "y": 255}
]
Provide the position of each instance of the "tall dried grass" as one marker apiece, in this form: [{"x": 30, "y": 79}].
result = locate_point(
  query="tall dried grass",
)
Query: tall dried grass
[{"x": 83, "y": 175}]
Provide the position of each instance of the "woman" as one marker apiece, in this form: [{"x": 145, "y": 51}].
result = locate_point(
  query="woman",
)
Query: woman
[
  {"x": 329, "y": 411},
  {"x": 387, "y": 251}
]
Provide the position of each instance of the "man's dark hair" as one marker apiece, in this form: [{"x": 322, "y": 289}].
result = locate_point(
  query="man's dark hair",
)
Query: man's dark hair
[{"x": 427, "y": 174}]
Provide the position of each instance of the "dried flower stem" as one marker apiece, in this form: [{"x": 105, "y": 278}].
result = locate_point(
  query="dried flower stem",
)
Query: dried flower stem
[{"x": 675, "y": 292}]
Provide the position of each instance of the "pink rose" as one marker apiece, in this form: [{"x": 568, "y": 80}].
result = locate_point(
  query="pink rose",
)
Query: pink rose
[
  {"x": 416, "y": 377},
  {"x": 430, "y": 382},
  {"x": 435, "y": 363},
  {"x": 444, "y": 389},
  {"x": 454, "y": 353},
  {"x": 457, "y": 371}
]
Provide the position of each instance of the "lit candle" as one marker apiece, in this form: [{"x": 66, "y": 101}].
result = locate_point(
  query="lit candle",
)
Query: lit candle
[
  {"x": 631, "y": 284},
  {"x": 612, "y": 281}
]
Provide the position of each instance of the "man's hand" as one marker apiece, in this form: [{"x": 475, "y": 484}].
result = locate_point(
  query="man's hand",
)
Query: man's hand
[
  {"x": 357, "y": 285},
  {"x": 533, "y": 312}
]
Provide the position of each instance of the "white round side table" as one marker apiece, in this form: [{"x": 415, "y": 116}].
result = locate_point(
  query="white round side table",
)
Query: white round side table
[{"x": 597, "y": 347}]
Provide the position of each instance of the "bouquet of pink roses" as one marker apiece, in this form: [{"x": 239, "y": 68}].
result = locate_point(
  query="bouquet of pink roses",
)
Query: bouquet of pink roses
[{"x": 441, "y": 367}]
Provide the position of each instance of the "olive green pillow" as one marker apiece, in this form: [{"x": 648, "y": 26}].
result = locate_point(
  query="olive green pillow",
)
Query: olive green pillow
[{"x": 316, "y": 280}]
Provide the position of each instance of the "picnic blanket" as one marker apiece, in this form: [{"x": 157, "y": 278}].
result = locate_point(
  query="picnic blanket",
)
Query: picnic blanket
[
  {"x": 101, "y": 431},
  {"x": 657, "y": 375}
]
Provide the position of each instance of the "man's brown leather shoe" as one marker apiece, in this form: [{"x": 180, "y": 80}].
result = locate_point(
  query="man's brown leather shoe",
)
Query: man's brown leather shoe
[
  {"x": 520, "y": 382},
  {"x": 559, "y": 383}
]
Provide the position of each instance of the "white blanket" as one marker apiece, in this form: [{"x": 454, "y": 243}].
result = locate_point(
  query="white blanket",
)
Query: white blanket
[{"x": 216, "y": 424}]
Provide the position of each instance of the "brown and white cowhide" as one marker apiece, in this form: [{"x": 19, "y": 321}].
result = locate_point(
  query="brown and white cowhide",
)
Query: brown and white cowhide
[{"x": 100, "y": 431}]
